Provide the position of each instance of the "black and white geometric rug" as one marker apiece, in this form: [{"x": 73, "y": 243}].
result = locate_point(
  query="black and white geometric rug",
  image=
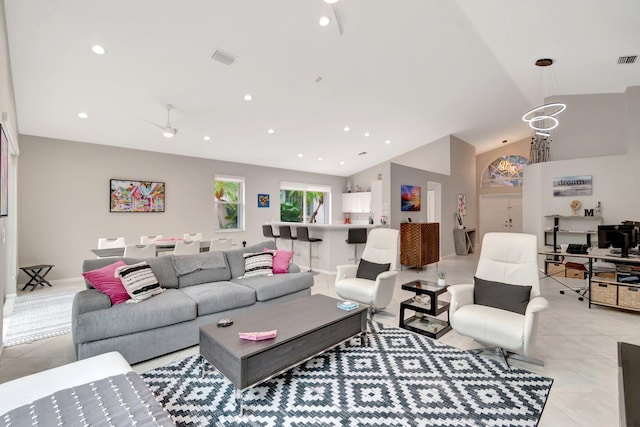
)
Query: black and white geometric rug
[{"x": 398, "y": 378}]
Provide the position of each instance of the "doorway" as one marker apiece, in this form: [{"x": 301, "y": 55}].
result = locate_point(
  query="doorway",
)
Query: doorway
[{"x": 500, "y": 213}]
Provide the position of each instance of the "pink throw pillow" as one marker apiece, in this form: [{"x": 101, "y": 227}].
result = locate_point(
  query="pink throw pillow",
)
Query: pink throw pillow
[
  {"x": 281, "y": 260},
  {"x": 103, "y": 280}
]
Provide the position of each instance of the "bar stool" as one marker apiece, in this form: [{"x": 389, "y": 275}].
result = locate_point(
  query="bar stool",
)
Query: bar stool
[
  {"x": 267, "y": 231},
  {"x": 285, "y": 234},
  {"x": 355, "y": 236},
  {"x": 303, "y": 236}
]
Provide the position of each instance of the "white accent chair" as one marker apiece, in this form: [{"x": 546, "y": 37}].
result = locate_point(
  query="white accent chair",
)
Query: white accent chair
[
  {"x": 381, "y": 248},
  {"x": 510, "y": 258},
  {"x": 220, "y": 244},
  {"x": 145, "y": 240},
  {"x": 184, "y": 247},
  {"x": 140, "y": 251},
  {"x": 189, "y": 237}
]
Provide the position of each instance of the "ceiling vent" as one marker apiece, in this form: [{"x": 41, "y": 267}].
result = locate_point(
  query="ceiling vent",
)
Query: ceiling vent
[
  {"x": 224, "y": 57},
  {"x": 628, "y": 59}
]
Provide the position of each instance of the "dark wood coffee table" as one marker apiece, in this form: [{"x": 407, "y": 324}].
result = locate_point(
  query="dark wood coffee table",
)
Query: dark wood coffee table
[{"x": 306, "y": 327}]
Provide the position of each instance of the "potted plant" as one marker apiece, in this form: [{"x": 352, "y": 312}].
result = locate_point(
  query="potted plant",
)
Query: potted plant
[{"x": 441, "y": 276}]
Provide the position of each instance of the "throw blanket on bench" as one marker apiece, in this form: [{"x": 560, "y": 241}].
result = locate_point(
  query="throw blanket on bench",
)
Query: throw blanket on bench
[
  {"x": 121, "y": 400},
  {"x": 185, "y": 264}
]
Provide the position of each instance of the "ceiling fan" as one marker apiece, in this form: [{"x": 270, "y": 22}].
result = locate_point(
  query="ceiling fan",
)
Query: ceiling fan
[{"x": 168, "y": 131}]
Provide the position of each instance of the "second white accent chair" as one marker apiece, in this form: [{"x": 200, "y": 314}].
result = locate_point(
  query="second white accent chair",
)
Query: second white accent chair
[
  {"x": 511, "y": 259},
  {"x": 184, "y": 247},
  {"x": 220, "y": 244},
  {"x": 189, "y": 237},
  {"x": 145, "y": 240},
  {"x": 381, "y": 248},
  {"x": 140, "y": 251}
]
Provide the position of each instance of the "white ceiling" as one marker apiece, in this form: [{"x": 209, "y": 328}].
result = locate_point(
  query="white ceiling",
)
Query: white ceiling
[{"x": 409, "y": 71}]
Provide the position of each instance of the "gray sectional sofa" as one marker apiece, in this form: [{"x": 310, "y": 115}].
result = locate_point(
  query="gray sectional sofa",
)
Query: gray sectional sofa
[{"x": 170, "y": 321}]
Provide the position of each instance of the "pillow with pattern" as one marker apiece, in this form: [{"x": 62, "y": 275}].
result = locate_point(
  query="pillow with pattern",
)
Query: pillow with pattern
[
  {"x": 258, "y": 264},
  {"x": 139, "y": 281}
]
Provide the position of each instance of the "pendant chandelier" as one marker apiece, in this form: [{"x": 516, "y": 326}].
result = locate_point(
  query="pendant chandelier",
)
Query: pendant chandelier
[{"x": 542, "y": 119}]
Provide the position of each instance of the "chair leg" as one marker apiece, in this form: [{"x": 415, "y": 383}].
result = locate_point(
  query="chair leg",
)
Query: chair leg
[{"x": 504, "y": 356}]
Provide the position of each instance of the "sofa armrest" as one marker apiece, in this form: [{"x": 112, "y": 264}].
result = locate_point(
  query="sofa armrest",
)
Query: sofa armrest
[
  {"x": 89, "y": 300},
  {"x": 293, "y": 268}
]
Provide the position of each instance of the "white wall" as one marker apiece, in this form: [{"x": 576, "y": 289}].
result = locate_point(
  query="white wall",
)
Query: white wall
[
  {"x": 615, "y": 185},
  {"x": 592, "y": 125},
  {"x": 434, "y": 157},
  {"x": 8, "y": 265},
  {"x": 64, "y": 198}
]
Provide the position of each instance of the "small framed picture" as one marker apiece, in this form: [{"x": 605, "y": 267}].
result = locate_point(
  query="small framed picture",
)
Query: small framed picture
[{"x": 263, "y": 200}]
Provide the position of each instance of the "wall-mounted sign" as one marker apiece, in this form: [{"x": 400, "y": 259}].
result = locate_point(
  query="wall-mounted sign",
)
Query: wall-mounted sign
[{"x": 580, "y": 185}]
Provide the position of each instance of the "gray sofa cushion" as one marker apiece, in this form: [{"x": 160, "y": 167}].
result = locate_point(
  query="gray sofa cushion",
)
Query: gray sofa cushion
[
  {"x": 236, "y": 260},
  {"x": 206, "y": 275},
  {"x": 161, "y": 267},
  {"x": 220, "y": 296},
  {"x": 171, "y": 306},
  {"x": 269, "y": 287}
]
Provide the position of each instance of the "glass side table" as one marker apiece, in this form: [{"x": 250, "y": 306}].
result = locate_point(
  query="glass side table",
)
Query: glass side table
[{"x": 426, "y": 306}]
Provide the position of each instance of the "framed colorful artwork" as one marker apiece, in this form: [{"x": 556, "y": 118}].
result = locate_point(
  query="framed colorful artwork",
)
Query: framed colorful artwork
[
  {"x": 263, "y": 200},
  {"x": 462, "y": 204},
  {"x": 136, "y": 196},
  {"x": 410, "y": 197}
]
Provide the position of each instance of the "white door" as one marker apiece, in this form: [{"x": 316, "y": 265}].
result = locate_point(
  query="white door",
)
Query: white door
[{"x": 500, "y": 213}]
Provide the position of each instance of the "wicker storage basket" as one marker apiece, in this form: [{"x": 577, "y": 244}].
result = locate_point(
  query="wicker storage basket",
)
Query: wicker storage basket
[
  {"x": 629, "y": 296},
  {"x": 604, "y": 293}
]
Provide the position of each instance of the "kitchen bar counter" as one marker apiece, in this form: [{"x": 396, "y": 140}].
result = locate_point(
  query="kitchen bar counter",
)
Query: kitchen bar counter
[{"x": 331, "y": 252}]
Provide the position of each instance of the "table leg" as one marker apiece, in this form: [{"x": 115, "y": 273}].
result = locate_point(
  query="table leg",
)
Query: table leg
[{"x": 239, "y": 402}]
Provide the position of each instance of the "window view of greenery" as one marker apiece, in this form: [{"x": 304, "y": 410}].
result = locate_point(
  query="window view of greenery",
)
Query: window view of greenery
[
  {"x": 228, "y": 197},
  {"x": 303, "y": 206}
]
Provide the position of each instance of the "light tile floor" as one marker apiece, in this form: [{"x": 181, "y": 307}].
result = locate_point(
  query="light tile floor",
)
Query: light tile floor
[{"x": 578, "y": 346}]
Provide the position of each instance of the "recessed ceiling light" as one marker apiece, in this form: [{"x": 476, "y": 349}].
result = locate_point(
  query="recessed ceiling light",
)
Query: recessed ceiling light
[
  {"x": 347, "y": 128},
  {"x": 300, "y": 154},
  {"x": 271, "y": 131},
  {"x": 331, "y": 1},
  {"x": 324, "y": 21},
  {"x": 248, "y": 97},
  {"x": 98, "y": 50},
  {"x": 388, "y": 141},
  {"x": 319, "y": 158},
  {"x": 367, "y": 134},
  {"x": 83, "y": 115},
  {"x": 342, "y": 163},
  {"x": 207, "y": 138}
]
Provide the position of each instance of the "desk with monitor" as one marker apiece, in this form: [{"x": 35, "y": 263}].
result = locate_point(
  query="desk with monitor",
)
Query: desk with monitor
[{"x": 622, "y": 290}]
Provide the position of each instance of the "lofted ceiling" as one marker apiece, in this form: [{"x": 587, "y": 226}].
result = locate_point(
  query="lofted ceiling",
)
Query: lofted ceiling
[{"x": 404, "y": 71}]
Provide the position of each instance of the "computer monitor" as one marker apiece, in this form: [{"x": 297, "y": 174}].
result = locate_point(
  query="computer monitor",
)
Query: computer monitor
[{"x": 621, "y": 236}]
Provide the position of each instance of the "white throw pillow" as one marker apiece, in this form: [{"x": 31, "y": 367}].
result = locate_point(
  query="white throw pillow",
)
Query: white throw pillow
[
  {"x": 139, "y": 281},
  {"x": 258, "y": 264}
]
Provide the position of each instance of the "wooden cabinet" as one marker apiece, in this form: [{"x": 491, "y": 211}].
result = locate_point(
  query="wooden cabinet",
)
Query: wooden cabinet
[
  {"x": 356, "y": 202},
  {"x": 419, "y": 243}
]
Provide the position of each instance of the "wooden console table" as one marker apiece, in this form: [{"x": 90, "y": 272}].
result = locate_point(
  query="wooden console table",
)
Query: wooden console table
[{"x": 464, "y": 240}]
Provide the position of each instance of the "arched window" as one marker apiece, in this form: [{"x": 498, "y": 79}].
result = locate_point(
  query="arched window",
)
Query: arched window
[{"x": 505, "y": 171}]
